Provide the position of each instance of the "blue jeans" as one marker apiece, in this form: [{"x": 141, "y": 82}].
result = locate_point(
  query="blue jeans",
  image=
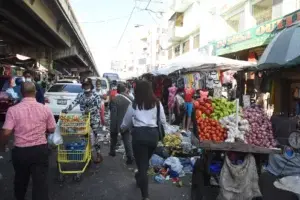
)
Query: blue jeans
[
  {"x": 189, "y": 108},
  {"x": 297, "y": 108}
]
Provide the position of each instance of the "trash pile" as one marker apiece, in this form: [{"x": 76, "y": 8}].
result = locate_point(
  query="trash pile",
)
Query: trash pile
[
  {"x": 173, "y": 158},
  {"x": 170, "y": 169}
]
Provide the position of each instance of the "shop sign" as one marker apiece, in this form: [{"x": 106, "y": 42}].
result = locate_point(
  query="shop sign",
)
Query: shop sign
[{"x": 257, "y": 36}]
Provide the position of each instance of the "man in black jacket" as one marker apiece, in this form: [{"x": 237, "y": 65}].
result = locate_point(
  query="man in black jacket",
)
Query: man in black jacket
[{"x": 118, "y": 109}]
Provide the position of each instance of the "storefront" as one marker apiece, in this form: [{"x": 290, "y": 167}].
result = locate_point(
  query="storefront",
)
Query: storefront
[{"x": 253, "y": 41}]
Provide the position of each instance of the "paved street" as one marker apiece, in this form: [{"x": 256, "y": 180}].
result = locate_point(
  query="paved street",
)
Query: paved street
[{"x": 110, "y": 180}]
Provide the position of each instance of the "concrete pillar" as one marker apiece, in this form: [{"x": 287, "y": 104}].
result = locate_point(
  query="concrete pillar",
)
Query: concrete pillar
[{"x": 46, "y": 62}]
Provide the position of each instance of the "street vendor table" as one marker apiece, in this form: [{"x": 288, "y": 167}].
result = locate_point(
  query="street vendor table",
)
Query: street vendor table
[
  {"x": 236, "y": 147},
  {"x": 210, "y": 150}
]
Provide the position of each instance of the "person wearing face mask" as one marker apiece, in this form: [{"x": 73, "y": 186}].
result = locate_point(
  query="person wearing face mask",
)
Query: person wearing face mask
[
  {"x": 103, "y": 97},
  {"x": 39, "y": 93},
  {"x": 89, "y": 102},
  {"x": 10, "y": 91}
]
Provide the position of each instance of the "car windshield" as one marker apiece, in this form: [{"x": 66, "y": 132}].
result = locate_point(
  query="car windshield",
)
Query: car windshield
[
  {"x": 65, "y": 81},
  {"x": 66, "y": 88},
  {"x": 4, "y": 84},
  {"x": 103, "y": 83},
  {"x": 111, "y": 76}
]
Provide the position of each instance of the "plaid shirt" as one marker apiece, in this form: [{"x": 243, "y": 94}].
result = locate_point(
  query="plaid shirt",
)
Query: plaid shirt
[{"x": 30, "y": 121}]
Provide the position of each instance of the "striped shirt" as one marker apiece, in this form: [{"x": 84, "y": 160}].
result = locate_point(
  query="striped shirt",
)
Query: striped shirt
[{"x": 30, "y": 121}]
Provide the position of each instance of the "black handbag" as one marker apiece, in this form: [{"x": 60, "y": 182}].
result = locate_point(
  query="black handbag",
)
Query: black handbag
[{"x": 161, "y": 129}]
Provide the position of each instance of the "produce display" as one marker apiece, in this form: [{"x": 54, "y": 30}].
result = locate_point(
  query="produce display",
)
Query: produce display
[
  {"x": 260, "y": 132},
  {"x": 235, "y": 131},
  {"x": 72, "y": 118},
  {"x": 222, "y": 108},
  {"x": 211, "y": 129},
  {"x": 172, "y": 140},
  {"x": 203, "y": 107}
]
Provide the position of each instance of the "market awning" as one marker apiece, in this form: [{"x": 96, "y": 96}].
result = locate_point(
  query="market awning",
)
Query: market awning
[
  {"x": 195, "y": 60},
  {"x": 283, "y": 51}
]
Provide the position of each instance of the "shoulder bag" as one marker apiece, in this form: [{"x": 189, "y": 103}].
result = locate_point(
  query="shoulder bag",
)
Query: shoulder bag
[{"x": 161, "y": 129}]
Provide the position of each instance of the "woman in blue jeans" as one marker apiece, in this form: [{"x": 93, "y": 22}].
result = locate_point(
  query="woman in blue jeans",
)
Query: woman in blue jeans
[{"x": 141, "y": 116}]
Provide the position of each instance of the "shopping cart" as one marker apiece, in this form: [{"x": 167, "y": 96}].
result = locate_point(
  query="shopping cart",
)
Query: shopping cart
[{"x": 74, "y": 155}]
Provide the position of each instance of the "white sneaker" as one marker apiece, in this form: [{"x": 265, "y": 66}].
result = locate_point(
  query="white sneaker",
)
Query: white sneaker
[{"x": 103, "y": 128}]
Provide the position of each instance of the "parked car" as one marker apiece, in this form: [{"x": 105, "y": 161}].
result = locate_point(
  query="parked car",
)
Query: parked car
[
  {"x": 104, "y": 85},
  {"x": 67, "y": 81},
  {"x": 5, "y": 100},
  {"x": 60, "y": 95}
]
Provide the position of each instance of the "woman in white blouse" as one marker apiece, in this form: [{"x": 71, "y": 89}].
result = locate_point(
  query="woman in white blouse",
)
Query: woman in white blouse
[{"x": 141, "y": 116}]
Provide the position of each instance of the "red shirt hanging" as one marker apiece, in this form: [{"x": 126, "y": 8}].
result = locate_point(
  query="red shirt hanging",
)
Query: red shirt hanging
[{"x": 188, "y": 94}]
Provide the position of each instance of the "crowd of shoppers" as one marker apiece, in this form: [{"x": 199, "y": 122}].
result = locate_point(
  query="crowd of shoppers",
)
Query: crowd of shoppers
[{"x": 133, "y": 116}]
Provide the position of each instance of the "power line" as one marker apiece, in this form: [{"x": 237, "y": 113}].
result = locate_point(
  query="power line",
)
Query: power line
[
  {"x": 148, "y": 4},
  {"x": 130, "y": 16},
  {"x": 152, "y": 16}
]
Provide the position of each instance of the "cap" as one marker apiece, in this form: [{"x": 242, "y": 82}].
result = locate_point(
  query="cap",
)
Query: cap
[{"x": 87, "y": 81}]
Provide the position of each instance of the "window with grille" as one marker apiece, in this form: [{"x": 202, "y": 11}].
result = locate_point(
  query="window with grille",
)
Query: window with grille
[
  {"x": 170, "y": 53},
  {"x": 177, "y": 50},
  {"x": 196, "y": 42},
  {"x": 186, "y": 46},
  {"x": 262, "y": 11}
]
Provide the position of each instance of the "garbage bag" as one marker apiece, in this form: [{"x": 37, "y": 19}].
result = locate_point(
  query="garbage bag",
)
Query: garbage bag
[
  {"x": 57, "y": 138},
  {"x": 174, "y": 164},
  {"x": 162, "y": 152},
  {"x": 156, "y": 161}
]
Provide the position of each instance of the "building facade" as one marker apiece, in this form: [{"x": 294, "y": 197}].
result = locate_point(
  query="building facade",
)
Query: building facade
[
  {"x": 241, "y": 29},
  {"x": 183, "y": 27},
  {"x": 144, "y": 52}
]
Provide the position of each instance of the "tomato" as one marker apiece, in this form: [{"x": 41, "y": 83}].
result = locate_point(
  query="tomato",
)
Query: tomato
[
  {"x": 196, "y": 105},
  {"x": 198, "y": 114}
]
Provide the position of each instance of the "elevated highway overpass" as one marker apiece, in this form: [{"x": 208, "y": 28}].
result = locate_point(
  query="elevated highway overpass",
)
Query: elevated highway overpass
[{"x": 46, "y": 30}]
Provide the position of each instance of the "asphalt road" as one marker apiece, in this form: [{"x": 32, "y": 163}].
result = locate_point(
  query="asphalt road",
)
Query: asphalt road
[{"x": 110, "y": 180}]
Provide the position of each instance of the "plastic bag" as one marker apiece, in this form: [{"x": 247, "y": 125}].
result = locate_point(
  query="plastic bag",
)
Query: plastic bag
[
  {"x": 57, "y": 138},
  {"x": 156, "y": 161},
  {"x": 170, "y": 129},
  {"x": 174, "y": 164},
  {"x": 289, "y": 183}
]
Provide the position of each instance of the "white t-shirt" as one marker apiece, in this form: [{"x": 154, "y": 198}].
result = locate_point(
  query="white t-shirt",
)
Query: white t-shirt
[
  {"x": 142, "y": 118},
  {"x": 101, "y": 93}
]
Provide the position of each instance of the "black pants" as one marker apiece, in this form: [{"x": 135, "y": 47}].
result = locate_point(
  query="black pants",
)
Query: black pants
[
  {"x": 144, "y": 142},
  {"x": 126, "y": 137},
  {"x": 31, "y": 161}
]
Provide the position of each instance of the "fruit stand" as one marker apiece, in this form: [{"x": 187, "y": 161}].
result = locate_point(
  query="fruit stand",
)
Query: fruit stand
[{"x": 226, "y": 130}]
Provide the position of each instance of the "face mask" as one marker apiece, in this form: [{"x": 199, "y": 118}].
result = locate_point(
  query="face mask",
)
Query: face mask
[
  {"x": 28, "y": 80},
  {"x": 98, "y": 88},
  {"x": 87, "y": 90}
]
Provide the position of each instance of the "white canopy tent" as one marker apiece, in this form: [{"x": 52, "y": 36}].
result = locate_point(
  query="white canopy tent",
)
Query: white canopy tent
[{"x": 197, "y": 61}]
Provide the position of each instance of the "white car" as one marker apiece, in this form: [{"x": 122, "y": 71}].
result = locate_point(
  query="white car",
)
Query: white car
[
  {"x": 67, "y": 81},
  {"x": 60, "y": 95}
]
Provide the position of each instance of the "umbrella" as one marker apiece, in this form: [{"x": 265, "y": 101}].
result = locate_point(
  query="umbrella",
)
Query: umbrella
[{"x": 283, "y": 50}]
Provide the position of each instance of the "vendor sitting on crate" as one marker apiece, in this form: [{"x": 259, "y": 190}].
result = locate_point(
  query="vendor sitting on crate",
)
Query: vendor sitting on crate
[{"x": 89, "y": 102}]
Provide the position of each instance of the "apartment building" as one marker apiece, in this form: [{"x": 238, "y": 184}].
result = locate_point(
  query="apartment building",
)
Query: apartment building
[
  {"x": 241, "y": 29},
  {"x": 183, "y": 27},
  {"x": 144, "y": 52}
]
